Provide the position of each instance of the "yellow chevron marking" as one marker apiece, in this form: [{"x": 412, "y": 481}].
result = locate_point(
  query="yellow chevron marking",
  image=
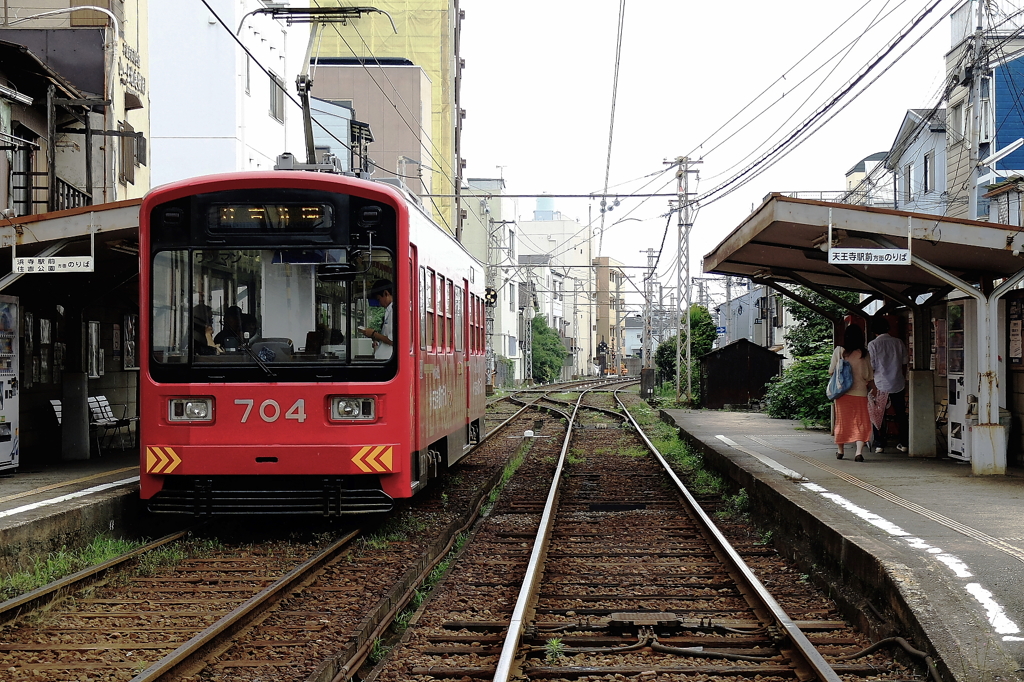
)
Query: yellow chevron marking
[
  {"x": 358, "y": 459},
  {"x": 387, "y": 458},
  {"x": 161, "y": 461},
  {"x": 175, "y": 461},
  {"x": 372, "y": 459}
]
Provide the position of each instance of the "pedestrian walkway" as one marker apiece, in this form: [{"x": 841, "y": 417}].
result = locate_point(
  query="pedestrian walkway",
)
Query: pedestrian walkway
[
  {"x": 66, "y": 504},
  {"x": 933, "y": 552}
]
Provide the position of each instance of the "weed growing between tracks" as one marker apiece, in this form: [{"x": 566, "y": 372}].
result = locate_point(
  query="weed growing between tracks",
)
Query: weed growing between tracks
[
  {"x": 62, "y": 563},
  {"x": 506, "y": 475},
  {"x": 684, "y": 459},
  {"x": 395, "y": 529}
]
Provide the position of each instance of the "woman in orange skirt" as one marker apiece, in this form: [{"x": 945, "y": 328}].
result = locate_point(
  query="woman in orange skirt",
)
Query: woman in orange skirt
[{"x": 853, "y": 423}]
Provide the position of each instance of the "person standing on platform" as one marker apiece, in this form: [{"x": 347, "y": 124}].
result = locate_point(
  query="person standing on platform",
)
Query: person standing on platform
[
  {"x": 889, "y": 360},
  {"x": 853, "y": 424}
]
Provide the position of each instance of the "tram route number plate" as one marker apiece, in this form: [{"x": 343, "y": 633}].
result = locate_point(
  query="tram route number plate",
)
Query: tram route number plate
[{"x": 53, "y": 264}]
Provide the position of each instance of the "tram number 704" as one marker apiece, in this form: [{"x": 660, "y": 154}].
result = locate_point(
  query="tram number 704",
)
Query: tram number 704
[{"x": 270, "y": 410}]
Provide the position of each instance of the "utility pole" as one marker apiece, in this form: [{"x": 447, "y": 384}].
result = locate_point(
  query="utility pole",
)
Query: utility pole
[
  {"x": 978, "y": 69},
  {"x": 491, "y": 282},
  {"x": 528, "y": 313},
  {"x": 683, "y": 284},
  {"x": 646, "y": 343},
  {"x": 728, "y": 309}
]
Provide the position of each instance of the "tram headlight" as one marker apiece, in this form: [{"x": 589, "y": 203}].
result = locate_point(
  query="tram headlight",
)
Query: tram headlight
[
  {"x": 190, "y": 410},
  {"x": 347, "y": 408}
]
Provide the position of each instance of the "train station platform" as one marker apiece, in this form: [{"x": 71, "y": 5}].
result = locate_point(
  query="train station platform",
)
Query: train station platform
[
  {"x": 66, "y": 504},
  {"x": 919, "y": 548}
]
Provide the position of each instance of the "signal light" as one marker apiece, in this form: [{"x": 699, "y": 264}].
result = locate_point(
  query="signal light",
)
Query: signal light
[{"x": 490, "y": 297}]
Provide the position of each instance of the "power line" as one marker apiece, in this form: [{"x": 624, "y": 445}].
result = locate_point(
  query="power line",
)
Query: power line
[
  {"x": 776, "y": 151},
  {"x": 611, "y": 120}
]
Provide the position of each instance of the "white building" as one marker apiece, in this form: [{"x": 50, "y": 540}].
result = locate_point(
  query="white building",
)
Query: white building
[
  {"x": 918, "y": 159},
  {"x": 569, "y": 284},
  {"x": 214, "y": 109},
  {"x": 492, "y": 238}
]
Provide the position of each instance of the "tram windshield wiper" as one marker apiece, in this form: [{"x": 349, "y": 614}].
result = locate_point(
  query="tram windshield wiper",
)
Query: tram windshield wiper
[{"x": 256, "y": 358}]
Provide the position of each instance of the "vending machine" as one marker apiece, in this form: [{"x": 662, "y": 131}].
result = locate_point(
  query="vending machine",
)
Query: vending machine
[
  {"x": 962, "y": 377},
  {"x": 9, "y": 388}
]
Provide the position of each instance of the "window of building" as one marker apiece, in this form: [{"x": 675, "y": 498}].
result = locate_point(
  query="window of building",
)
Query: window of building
[
  {"x": 276, "y": 97},
  {"x": 928, "y": 169},
  {"x": 956, "y": 120},
  {"x": 248, "y": 73},
  {"x": 512, "y": 245},
  {"x": 908, "y": 193},
  {"x": 127, "y": 161},
  {"x": 512, "y": 297}
]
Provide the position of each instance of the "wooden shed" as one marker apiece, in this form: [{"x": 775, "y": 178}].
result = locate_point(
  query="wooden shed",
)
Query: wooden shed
[{"x": 737, "y": 374}]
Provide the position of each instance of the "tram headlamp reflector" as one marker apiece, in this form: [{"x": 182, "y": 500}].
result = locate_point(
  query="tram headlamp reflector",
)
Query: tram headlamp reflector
[
  {"x": 348, "y": 408},
  {"x": 190, "y": 410}
]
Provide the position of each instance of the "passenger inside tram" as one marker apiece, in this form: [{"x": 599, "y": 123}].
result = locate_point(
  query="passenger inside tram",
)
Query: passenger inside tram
[{"x": 298, "y": 305}]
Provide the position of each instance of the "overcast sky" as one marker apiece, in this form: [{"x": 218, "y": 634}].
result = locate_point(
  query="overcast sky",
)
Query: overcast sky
[{"x": 538, "y": 88}]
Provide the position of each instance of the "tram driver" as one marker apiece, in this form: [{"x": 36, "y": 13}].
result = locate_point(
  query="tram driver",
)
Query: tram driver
[{"x": 382, "y": 291}]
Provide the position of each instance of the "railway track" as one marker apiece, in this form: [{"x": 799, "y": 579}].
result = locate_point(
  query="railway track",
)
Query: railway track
[
  {"x": 292, "y": 609},
  {"x": 596, "y": 563}
]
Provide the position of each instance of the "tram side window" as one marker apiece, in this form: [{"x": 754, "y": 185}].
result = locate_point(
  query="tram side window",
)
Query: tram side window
[
  {"x": 479, "y": 324},
  {"x": 441, "y": 326},
  {"x": 458, "y": 319},
  {"x": 448, "y": 316},
  {"x": 423, "y": 307},
  {"x": 431, "y": 277}
]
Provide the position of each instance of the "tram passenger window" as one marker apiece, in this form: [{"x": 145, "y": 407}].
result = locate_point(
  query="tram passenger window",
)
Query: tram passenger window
[
  {"x": 450, "y": 339},
  {"x": 431, "y": 277},
  {"x": 423, "y": 308},
  {"x": 441, "y": 326},
  {"x": 458, "y": 319}
]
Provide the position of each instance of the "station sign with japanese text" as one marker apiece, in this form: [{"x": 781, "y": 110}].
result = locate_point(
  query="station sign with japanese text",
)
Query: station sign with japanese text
[
  {"x": 869, "y": 256},
  {"x": 53, "y": 264}
]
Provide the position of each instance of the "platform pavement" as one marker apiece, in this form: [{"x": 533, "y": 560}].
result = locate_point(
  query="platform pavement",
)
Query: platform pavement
[
  {"x": 66, "y": 504},
  {"x": 936, "y": 552}
]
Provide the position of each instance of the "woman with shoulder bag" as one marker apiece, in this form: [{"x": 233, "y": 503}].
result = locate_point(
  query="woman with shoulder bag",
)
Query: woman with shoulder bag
[{"x": 853, "y": 423}]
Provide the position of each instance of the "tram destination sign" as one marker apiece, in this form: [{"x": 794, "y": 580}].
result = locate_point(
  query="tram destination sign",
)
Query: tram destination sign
[
  {"x": 869, "y": 256},
  {"x": 53, "y": 264}
]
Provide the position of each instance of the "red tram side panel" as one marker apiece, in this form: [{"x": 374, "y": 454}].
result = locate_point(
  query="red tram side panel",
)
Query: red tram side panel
[{"x": 289, "y": 407}]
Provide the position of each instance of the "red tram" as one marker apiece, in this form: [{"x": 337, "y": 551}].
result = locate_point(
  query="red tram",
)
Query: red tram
[{"x": 267, "y": 383}]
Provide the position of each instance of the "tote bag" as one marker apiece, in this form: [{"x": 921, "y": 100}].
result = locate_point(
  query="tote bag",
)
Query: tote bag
[{"x": 841, "y": 381}]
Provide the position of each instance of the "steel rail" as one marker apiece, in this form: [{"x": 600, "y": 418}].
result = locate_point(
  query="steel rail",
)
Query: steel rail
[
  {"x": 813, "y": 661},
  {"x": 503, "y": 670},
  {"x": 40, "y": 597},
  {"x": 355, "y": 661},
  {"x": 185, "y": 657}
]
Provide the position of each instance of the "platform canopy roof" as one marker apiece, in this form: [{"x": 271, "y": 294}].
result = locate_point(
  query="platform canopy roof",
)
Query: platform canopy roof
[{"x": 785, "y": 241}]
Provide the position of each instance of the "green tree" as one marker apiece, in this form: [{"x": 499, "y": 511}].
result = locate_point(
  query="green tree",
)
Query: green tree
[
  {"x": 704, "y": 334},
  {"x": 812, "y": 333},
  {"x": 800, "y": 392},
  {"x": 548, "y": 351}
]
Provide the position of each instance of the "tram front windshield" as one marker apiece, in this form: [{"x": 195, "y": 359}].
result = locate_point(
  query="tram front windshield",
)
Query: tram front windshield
[{"x": 269, "y": 308}]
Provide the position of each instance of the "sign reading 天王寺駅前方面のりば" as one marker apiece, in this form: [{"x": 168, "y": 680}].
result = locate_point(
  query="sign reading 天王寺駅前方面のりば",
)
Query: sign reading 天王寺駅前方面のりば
[{"x": 869, "y": 256}]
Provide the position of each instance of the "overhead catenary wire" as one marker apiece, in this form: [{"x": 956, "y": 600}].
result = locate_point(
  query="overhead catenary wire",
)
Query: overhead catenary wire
[
  {"x": 274, "y": 79},
  {"x": 611, "y": 119},
  {"x": 777, "y": 150}
]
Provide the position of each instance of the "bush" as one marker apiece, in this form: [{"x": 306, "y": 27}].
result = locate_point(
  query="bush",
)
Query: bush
[{"x": 800, "y": 392}]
